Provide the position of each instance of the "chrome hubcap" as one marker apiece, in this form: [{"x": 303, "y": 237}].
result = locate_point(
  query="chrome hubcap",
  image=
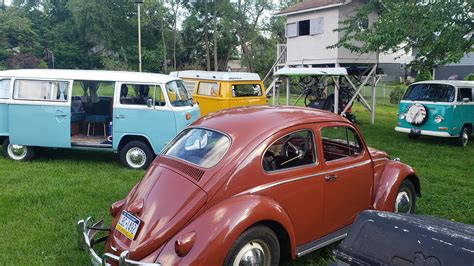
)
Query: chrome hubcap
[
  {"x": 136, "y": 157},
  {"x": 253, "y": 253},
  {"x": 17, "y": 152},
  {"x": 403, "y": 202},
  {"x": 465, "y": 138}
]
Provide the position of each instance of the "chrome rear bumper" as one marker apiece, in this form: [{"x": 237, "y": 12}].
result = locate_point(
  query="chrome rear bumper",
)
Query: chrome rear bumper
[{"x": 86, "y": 232}]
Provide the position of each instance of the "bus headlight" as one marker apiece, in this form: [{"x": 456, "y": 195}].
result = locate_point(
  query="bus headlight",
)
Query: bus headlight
[
  {"x": 401, "y": 116},
  {"x": 438, "y": 119}
]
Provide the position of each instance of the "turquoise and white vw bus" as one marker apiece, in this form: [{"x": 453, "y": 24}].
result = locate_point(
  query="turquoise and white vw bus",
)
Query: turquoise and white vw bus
[
  {"x": 440, "y": 108},
  {"x": 134, "y": 114}
]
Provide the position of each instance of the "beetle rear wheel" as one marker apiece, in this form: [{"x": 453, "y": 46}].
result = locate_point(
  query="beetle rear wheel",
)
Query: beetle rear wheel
[
  {"x": 136, "y": 155},
  {"x": 17, "y": 152},
  {"x": 257, "y": 246},
  {"x": 405, "y": 201}
]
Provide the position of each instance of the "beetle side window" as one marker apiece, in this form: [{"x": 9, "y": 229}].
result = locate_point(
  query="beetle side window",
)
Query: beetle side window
[
  {"x": 208, "y": 89},
  {"x": 40, "y": 90},
  {"x": 340, "y": 142},
  {"x": 246, "y": 90},
  {"x": 292, "y": 150},
  {"x": 4, "y": 88}
]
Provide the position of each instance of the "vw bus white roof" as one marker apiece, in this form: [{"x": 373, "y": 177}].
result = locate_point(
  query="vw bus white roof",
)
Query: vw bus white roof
[
  {"x": 103, "y": 75},
  {"x": 216, "y": 75}
]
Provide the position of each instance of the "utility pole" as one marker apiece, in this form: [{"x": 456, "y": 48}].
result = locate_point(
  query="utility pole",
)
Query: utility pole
[{"x": 139, "y": 2}]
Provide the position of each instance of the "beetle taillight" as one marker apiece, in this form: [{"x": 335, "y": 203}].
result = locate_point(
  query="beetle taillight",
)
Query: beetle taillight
[
  {"x": 184, "y": 243},
  {"x": 116, "y": 207}
]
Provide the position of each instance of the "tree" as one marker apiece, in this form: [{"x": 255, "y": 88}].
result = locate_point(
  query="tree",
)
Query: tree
[
  {"x": 246, "y": 21},
  {"x": 438, "y": 31}
]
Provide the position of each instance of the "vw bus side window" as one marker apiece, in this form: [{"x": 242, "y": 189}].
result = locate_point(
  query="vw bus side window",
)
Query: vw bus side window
[
  {"x": 40, "y": 90},
  {"x": 246, "y": 90},
  {"x": 136, "y": 94},
  {"x": 208, "y": 89},
  {"x": 4, "y": 88},
  {"x": 430, "y": 93},
  {"x": 178, "y": 94},
  {"x": 465, "y": 93}
]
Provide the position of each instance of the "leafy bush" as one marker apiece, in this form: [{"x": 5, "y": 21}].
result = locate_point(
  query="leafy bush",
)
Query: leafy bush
[
  {"x": 424, "y": 74},
  {"x": 396, "y": 95},
  {"x": 469, "y": 77}
]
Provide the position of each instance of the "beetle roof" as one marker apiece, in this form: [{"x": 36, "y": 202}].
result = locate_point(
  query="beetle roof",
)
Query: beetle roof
[
  {"x": 98, "y": 75},
  {"x": 252, "y": 120}
]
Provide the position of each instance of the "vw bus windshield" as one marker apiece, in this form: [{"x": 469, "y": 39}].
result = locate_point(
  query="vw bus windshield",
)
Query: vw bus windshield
[
  {"x": 199, "y": 146},
  {"x": 178, "y": 94},
  {"x": 430, "y": 93}
]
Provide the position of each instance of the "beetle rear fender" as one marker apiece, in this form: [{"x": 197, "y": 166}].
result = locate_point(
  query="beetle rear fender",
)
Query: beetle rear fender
[
  {"x": 386, "y": 190},
  {"x": 217, "y": 228}
]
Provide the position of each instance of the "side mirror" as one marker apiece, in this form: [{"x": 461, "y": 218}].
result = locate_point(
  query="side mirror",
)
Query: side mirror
[
  {"x": 149, "y": 102},
  {"x": 465, "y": 100}
]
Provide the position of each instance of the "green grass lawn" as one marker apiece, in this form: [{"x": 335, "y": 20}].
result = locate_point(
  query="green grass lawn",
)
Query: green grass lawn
[{"x": 40, "y": 201}]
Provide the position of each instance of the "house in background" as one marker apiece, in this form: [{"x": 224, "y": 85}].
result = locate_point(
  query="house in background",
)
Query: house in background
[
  {"x": 455, "y": 70},
  {"x": 310, "y": 29}
]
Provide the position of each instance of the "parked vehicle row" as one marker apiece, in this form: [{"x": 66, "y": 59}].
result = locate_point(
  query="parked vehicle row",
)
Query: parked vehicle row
[{"x": 248, "y": 185}]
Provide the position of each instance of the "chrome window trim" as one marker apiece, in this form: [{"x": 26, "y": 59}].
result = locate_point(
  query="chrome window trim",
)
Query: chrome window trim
[
  {"x": 315, "y": 154},
  {"x": 290, "y": 180}
]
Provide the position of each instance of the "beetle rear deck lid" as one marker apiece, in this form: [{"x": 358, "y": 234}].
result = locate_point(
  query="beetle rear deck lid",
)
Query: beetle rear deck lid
[{"x": 189, "y": 171}]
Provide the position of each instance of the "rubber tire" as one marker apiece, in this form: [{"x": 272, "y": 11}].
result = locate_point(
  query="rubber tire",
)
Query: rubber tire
[
  {"x": 411, "y": 189},
  {"x": 414, "y": 136},
  {"x": 459, "y": 140},
  {"x": 260, "y": 232},
  {"x": 139, "y": 144},
  {"x": 29, "y": 154}
]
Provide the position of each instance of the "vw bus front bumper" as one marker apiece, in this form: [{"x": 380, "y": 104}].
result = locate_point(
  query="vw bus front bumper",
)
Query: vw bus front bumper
[
  {"x": 87, "y": 229},
  {"x": 426, "y": 132}
]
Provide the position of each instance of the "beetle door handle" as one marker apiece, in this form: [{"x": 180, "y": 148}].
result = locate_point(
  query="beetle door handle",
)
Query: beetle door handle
[
  {"x": 61, "y": 115},
  {"x": 330, "y": 177},
  {"x": 120, "y": 116}
]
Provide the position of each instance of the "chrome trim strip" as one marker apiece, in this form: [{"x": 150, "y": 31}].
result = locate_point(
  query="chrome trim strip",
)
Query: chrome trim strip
[
  {"x": 270, "y": 185},
  {"x": 323, "y": 244},
  {"x": 380, "y": 159}
]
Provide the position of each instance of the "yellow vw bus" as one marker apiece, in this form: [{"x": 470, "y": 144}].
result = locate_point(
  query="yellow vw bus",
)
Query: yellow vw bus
[{"x": 214, "y": 91}]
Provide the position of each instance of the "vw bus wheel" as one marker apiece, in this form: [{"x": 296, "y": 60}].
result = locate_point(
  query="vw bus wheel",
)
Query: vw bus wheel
[
  {"x": 257, "y": 246},
  {"x": 463, "y": 138},
  {"x": 405, "y": 201},
  {"x": 17, "y": 152},
  {"x": 136, "y": 155}
]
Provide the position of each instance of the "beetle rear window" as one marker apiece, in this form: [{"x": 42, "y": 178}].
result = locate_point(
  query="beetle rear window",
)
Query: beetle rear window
[{"x": 199, "y": 146}]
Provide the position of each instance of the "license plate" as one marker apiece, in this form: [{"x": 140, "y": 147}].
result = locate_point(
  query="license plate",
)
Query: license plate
[
  {"x": 415, "y": 131},
  {"x": 128, "y": 225}
]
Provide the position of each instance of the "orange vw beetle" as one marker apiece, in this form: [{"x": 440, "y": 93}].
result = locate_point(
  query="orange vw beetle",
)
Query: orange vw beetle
[{"x": 250, "y": 185}]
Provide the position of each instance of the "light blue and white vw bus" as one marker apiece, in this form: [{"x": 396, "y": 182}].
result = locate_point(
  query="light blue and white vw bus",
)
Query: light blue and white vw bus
[
  {"x": 438, "y": 108},
  {"x": 134, "y": 114}
]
